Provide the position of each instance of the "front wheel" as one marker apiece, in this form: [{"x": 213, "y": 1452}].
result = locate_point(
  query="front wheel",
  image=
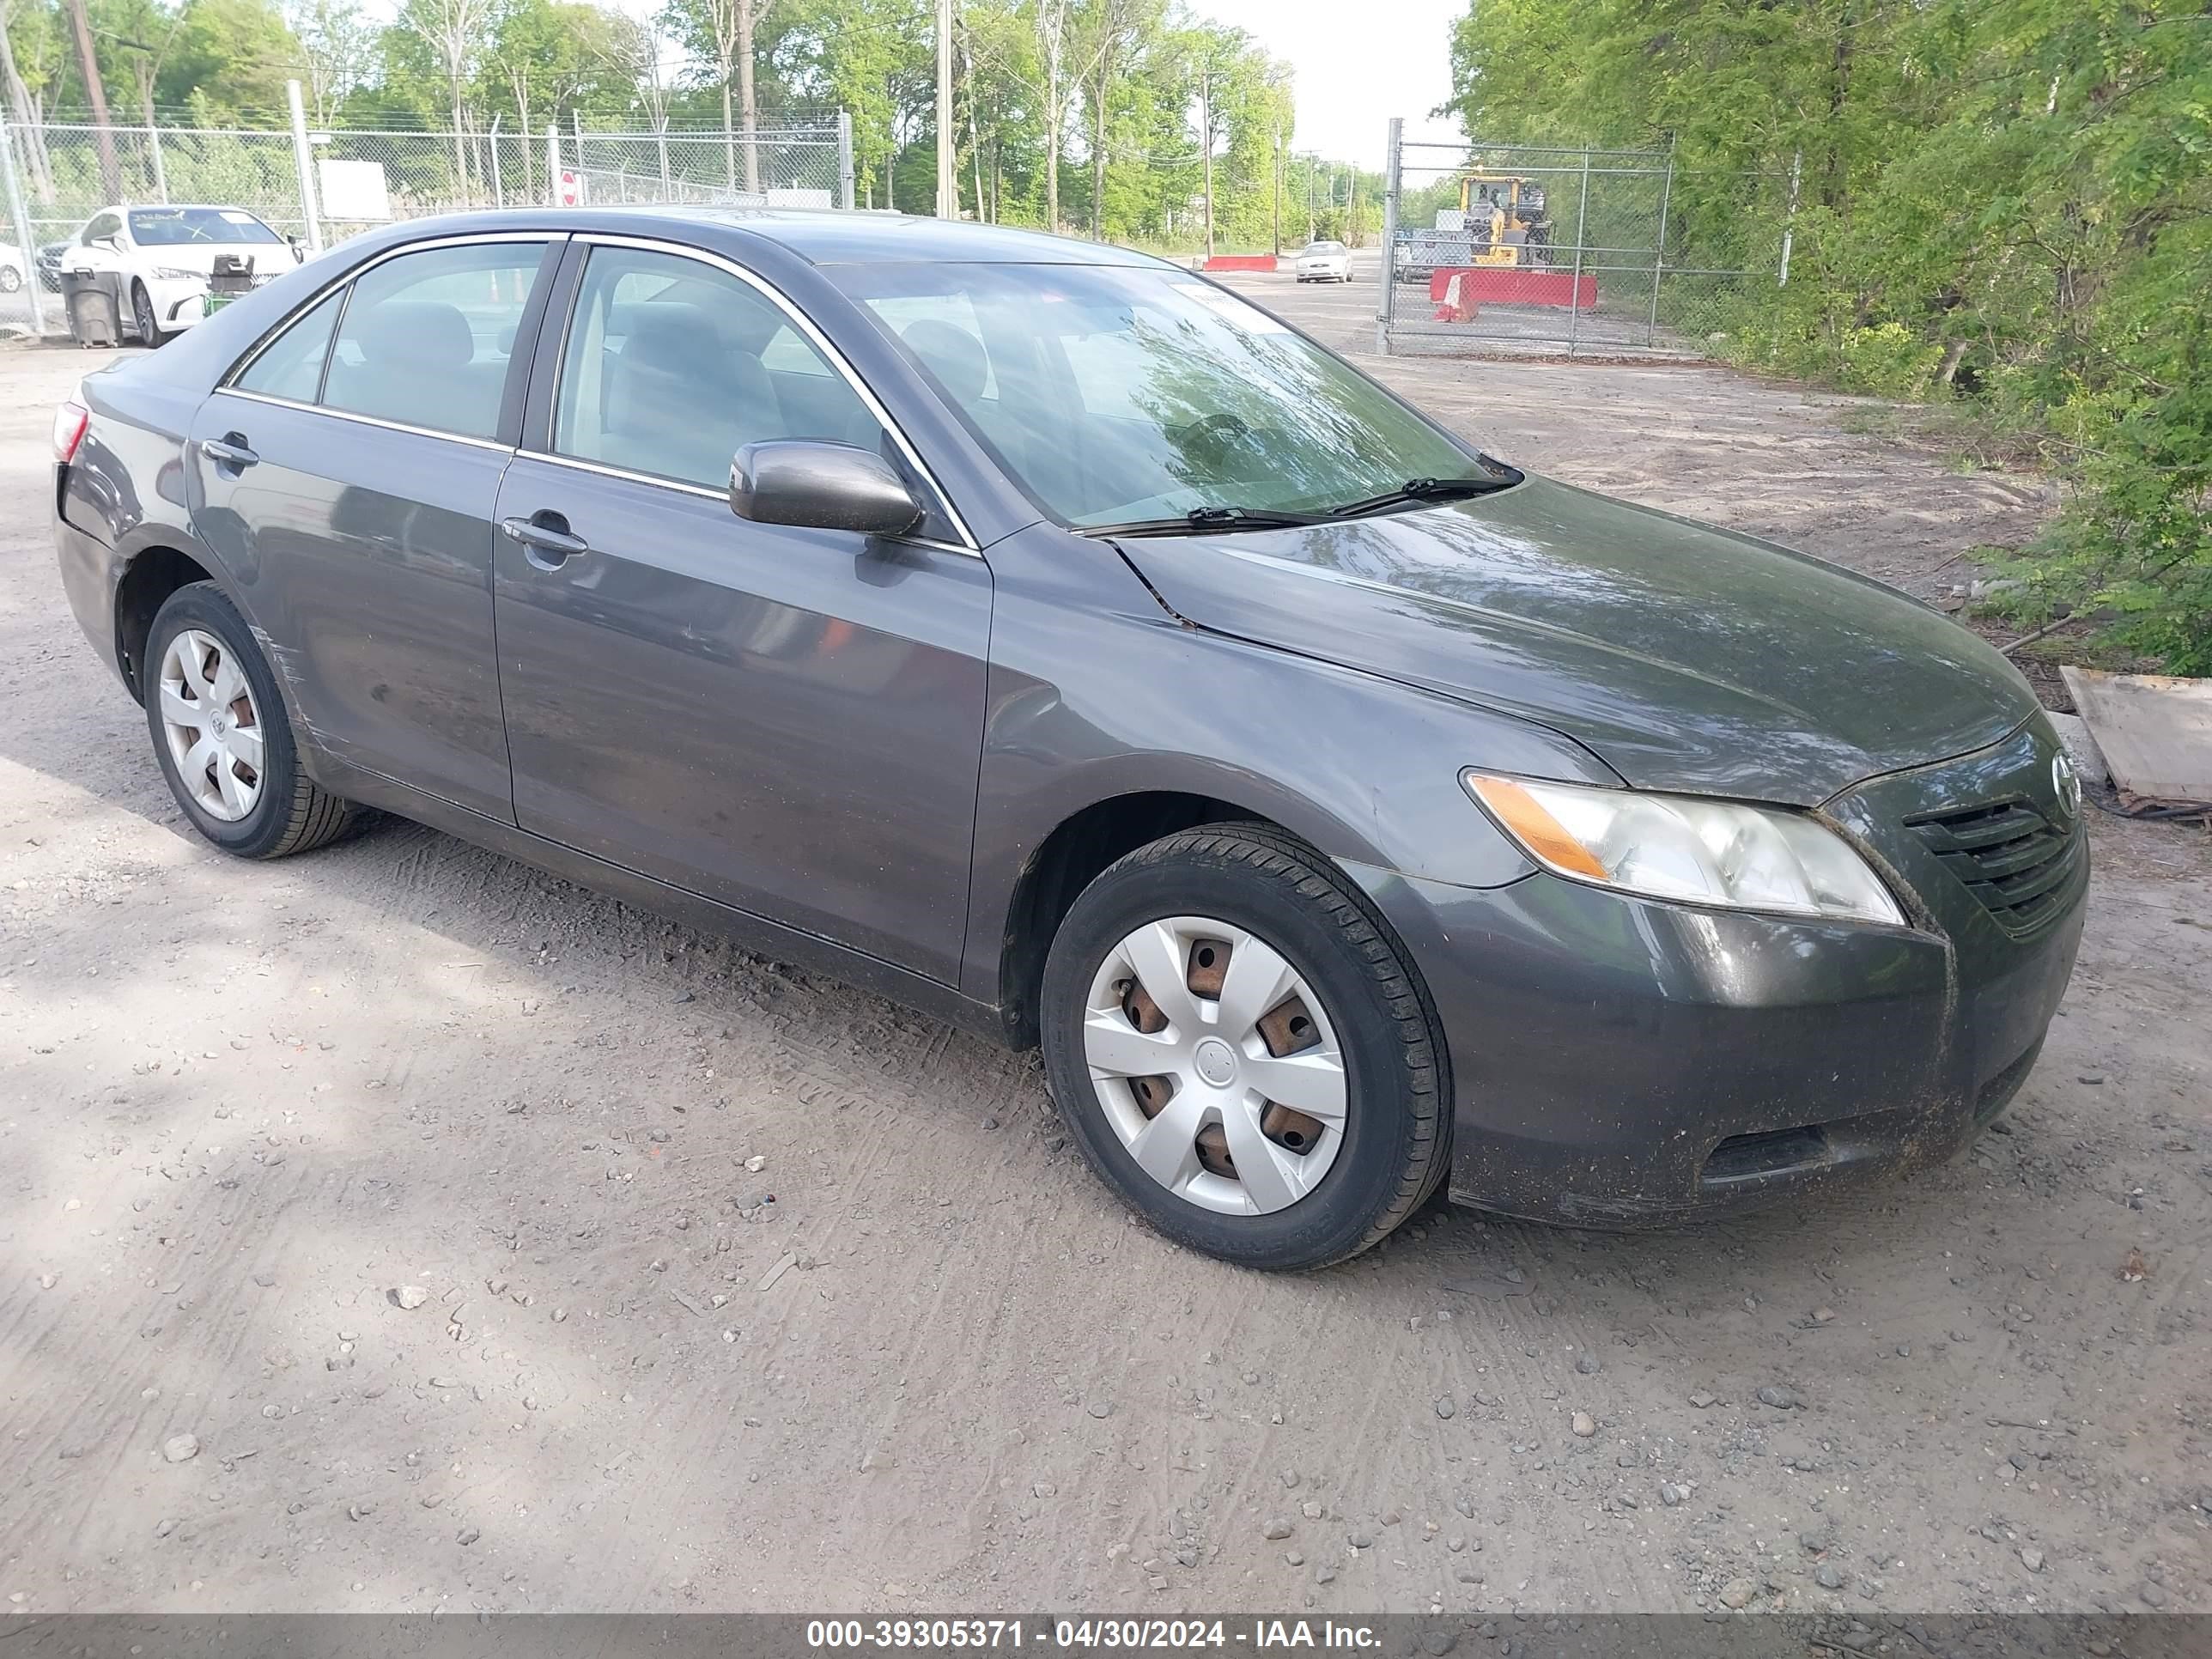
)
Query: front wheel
[
  {"x": 221, "y": 735},
  {"x": 141, "y": 314},
  {"x": 10, "y": 279},
  {"x": 1241, "y": 1050}
]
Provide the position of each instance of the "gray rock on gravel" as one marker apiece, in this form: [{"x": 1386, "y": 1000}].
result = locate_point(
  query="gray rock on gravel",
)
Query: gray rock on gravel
[
  {"x": 181, "y": 1448},
  {"x": 1827, "y": 1576},
  {"x": 409, "y": 1297},
  {"x": 1781, "y": 1399},
  {"x": 2032, "y": 1559},
  {"x": 1738, "y": 1592},
  {"x": 1589, "y": 1365},
  {"x": 1445, "y": 1408},
  {"x": 1583, "y": 1424},
  {"x": 1276, "y": 1527}
]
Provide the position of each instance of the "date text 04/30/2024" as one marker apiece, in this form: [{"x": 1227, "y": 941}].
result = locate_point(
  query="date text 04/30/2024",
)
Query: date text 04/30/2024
[{"x": 830, "y": 1635}]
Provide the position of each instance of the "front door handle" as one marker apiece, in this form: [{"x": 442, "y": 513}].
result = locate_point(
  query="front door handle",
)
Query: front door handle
[
  {"x": 229, "y": 450},
  {"x": 546, "y": 540}
]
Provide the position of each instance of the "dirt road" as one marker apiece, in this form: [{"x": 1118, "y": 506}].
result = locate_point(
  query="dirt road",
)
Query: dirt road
[{"x": 733, "y": 1289}]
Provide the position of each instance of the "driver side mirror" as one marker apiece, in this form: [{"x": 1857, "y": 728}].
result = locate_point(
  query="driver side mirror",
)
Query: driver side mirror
[
  {"x": 821, "y": 486},
  {"x": 298, "y": 253}
]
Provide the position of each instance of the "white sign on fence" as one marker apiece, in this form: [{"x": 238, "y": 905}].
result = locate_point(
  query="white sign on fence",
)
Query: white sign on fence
[{"x": 352, "y": 190}]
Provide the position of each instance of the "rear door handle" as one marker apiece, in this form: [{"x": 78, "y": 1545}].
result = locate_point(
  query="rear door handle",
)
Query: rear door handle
[
  {"x": 229, "y": 450},
  {"x": 546, "y": 539}
]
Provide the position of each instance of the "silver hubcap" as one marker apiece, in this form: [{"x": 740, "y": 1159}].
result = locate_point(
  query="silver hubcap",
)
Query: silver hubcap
[
  {"x": 212, "y": 726},
  {"x": 1216, "y": 1064}
]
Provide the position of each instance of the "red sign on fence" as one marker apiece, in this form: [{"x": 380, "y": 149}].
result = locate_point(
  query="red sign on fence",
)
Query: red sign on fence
[{"x": 569, "y": 191}]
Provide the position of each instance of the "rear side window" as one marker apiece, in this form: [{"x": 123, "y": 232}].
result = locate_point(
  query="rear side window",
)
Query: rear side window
[
  {"x": 292, "y": 365},
  {"x": 672, "y": 366},
  {"x": 426, "y": 338}
]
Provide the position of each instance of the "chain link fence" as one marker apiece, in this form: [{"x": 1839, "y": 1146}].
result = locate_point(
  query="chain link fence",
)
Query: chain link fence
[
  {"x": 1514, "y": 249},
  {"x": 321, "y": 185}
]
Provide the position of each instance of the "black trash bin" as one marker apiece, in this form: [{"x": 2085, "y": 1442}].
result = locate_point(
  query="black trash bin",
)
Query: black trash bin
[{"x": 94, "y": 299}]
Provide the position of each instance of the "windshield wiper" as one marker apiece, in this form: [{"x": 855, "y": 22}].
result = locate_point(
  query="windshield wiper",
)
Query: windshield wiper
[
  {"x": 1422, "y": 489},
  {"x": 1208, "y": 521}
]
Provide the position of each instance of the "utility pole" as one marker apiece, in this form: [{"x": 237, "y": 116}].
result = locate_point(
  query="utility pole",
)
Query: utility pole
[
  {"x": 1310, "y": 225},
  {"x": 1206, "y": 142},
  {"x": 948, "y": 180},
  {"x": 1278, "y": 192}
]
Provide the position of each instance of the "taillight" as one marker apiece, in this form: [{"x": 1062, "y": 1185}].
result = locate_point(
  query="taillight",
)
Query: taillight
[{"x": 70, "y": 422}]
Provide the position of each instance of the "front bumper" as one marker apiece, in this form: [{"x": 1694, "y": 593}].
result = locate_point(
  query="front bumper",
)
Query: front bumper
[
  {"x": 1618, "y": 1062},
  {"x": 177, "y": 300}
]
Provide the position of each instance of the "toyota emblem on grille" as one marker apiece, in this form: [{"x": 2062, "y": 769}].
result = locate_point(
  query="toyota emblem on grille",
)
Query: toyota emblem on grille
[{"x": 2066, "y": 779}]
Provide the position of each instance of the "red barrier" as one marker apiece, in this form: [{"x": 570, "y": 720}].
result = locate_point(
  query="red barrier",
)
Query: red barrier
[
  {"x": 1514, "y": 285},
  {"x": 1240, "y": 262}
]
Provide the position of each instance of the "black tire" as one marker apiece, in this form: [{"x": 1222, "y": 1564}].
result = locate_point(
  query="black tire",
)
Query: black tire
[
  {"x": 141, "y": 314},
  {"x": 1397, "y": 1124},
  {"x": 292, "y": 813}
]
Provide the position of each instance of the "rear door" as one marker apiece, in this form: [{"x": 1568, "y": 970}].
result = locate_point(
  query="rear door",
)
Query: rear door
[
  {"x": 788, "y": 720},
  {"x": 347, "y": 477}
]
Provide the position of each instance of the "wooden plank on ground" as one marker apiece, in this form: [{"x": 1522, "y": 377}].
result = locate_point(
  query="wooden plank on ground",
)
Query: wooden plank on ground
[{"x": 2155, "y": 730}]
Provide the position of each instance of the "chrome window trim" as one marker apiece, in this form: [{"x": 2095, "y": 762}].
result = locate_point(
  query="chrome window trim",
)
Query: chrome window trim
[
  {"x": 721, "y": 496},
  {"x": 492, "y": 444},
  {"x": 814, "y": 336},
  {"x": 284, "y": 324}
]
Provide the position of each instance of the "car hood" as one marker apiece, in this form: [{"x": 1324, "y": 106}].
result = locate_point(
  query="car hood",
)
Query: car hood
[
  {"x": 269, "y": 258},
  {"x": 1687, "y": 657}
]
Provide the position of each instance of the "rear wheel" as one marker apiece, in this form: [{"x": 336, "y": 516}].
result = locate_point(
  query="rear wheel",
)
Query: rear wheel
[
  {"x": 10, "y": 279},
  {"x": 1241, "y": 1050},
  {"x": 221, "y": 736}
]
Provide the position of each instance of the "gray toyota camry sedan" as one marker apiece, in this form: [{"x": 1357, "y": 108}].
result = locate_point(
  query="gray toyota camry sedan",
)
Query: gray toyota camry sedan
[{"x": 1046, "y": 638}]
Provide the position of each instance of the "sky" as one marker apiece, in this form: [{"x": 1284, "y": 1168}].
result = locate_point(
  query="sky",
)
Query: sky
[{"x": 1358, "y": 63}]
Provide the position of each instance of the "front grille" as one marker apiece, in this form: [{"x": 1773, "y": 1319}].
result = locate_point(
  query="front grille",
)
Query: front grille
[{"x": 2018, "y": 862}]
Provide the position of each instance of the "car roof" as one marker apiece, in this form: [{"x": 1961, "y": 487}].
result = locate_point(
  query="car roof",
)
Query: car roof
[{"x": 820, "y": 236}]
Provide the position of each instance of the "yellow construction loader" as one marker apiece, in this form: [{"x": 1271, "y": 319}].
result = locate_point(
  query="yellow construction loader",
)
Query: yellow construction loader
[{"x": 1505, "y": 219}]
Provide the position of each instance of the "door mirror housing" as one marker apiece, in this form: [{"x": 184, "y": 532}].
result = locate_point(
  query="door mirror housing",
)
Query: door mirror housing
[{"x": 821, "y": 486}]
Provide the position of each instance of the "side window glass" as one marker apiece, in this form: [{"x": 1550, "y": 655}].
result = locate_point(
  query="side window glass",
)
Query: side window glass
[
  {"x": 425, "y": 338},
  {"x": 292, "y": 364},
  {"x": 672, "y": 366}
]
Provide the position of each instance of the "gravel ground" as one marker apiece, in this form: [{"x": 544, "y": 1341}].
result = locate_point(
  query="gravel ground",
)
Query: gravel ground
[{"x": 399, "y": 1229}]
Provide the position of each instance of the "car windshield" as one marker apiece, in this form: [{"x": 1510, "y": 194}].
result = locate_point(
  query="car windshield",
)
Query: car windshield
[
  {"x": 171, "y": 226},
  {"x": 1122, "y": 394},
  {"x": 1324, "y": 248}
]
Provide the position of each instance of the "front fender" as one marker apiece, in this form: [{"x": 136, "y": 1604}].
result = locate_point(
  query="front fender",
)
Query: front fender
[{"x": 1099, "y": 692}]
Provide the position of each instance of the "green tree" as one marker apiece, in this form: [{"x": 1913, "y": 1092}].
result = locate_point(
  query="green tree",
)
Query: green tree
[{"x": 2008, "y": 201}]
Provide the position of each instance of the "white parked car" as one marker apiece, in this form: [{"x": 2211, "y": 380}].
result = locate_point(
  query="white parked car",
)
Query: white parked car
[
  {"x": 168, "y": 254},
  {"x": 13, "y": 270},
  {"x": 1325, "y": 262}
]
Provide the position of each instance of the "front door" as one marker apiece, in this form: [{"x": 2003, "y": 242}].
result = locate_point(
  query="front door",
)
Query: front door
[{"x": 788, "y": 720}]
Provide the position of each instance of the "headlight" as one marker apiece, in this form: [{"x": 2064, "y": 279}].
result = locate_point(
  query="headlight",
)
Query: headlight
[
  {"x": 1680, "y": 846},
  {"x": 179, "y": 274}
]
